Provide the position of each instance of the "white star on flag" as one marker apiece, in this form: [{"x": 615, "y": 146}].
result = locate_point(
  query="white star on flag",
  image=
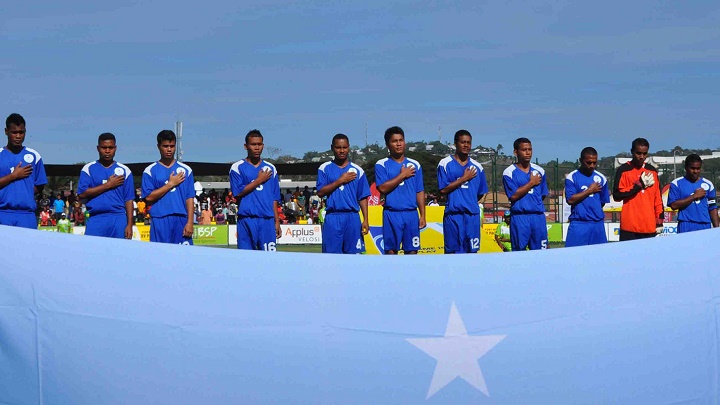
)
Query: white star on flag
[{"x": 457, "y": 354}]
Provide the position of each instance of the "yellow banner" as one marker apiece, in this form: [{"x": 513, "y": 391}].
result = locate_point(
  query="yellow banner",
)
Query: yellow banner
[
  {"x": 431, "y": 237},
  {"x": 141, "y": 232}
]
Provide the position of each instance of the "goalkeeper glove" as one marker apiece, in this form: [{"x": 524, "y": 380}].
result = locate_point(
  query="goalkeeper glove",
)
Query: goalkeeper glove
[{"x": 647, "y": 179}]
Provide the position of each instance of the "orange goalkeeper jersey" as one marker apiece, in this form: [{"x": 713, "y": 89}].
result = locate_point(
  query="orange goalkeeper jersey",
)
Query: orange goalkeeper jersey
[{"x": 641, "y": 207}]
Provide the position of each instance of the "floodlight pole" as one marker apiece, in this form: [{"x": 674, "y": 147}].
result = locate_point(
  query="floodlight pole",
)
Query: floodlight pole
[{"x": 178, "y": 134}]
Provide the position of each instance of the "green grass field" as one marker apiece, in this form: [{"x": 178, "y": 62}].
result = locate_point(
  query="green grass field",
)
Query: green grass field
[
  {"x": 317, "y": 248},
  {"x": 300, "y": 248},
  {"x": 287, "y": 248}
]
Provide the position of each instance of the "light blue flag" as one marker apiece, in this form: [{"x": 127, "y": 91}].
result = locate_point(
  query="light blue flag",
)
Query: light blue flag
[{"x": 87, "y": 320}]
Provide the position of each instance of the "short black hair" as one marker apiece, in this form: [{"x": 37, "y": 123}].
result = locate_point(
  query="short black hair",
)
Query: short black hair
[
  {"x": 339, "y": 136},
  {"x": 692, "y": 158},
  {"x": 588, "y": 151},
  {"x": 166, "y": 135},
  {"x": 639, "y": 142},
  {"x": 14, "y": 119},
  {"x": 462, "y": 132},
  {"x": 519, "y": 141},
  {"x": 254, "y": 133},
  {"x": 106, "y": 136},
  {"x": 392, "y": 131}
]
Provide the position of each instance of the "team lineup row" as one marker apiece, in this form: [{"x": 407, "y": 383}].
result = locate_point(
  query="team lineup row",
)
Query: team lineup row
[{"x": 167, "y": 186}]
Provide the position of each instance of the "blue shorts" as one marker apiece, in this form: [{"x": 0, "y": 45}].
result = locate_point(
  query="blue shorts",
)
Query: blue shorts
[
  {"x": 21, "y": 219},
  {"x": 169, "y": 229},
  {"x": 582, "y": 233},
  {"x": 461, "y": 233},
  {"x": 342, "y": 233},
  {"x": 687, "y": 226},
  {"x": 528, "y": 231},
  {"x": 401, "y": 228},
  {"x": 108, "y": 225},
  {"x": 255, "y": 233}
]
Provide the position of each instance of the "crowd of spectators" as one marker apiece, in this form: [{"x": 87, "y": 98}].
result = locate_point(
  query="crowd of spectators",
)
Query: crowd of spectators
[
  {"x": 52, "y": 206},
  {"x": 302, "y": 206},
  {"x": 216, "y": 208},
  {"x": 298, "y": 206}
]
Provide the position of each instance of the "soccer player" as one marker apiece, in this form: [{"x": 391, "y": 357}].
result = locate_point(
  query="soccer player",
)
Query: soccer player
[
  {"x": 586, "y": 190},
  {"x": 256, "y": 184},
  {"x": 107, "y": 188},
  {"x": 22, "y": 175},
  {"x": 400, "y": 179},
  {"x": 168, "y": 187},
  {"x": 502, "y": 233},
  {"x": 694, "y": 197},
  {"x": 525, "y": 185},
  {"x": 638, "y": 187},
  {"x": 462, "y": 180},
  {"x": 347, "y": 189}
]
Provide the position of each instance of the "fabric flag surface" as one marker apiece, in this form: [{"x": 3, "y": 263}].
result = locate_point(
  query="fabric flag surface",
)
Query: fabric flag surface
[{"x": 104, "y": 321}]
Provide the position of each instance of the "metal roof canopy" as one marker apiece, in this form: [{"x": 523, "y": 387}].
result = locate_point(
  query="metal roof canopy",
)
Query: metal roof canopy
[{"x": 285, "y": 184}]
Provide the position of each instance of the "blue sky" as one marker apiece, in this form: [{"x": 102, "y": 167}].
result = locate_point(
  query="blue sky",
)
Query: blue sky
[{"x": 564, "y": 74}]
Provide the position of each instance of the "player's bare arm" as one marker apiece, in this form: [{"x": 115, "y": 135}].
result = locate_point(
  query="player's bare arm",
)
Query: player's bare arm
[
  {"x": 129, "y": 215},
  {"x": 158, "y": 193},
  {"x": 278, "y": 231},
  {"x": 190, "y": 208},
  {"x": 113, "y": 182},
  {"x": 535, "y": 179},
  {"x": 19, "y": 172},
  {"x": 364, "y": 209},
  {"x": 469, "y": 174},
  {"x": 714, "y": 217},
  {"x": 499, "y": 242},
  {"x": 392, "y": 184},
  {"x": 579, "y": 197},
  {"x": 697, "y": 195},
  {"x": 420, "y": 199},
  {"x": 345, "y": 178},
  {"x": 261, "y": 178}
]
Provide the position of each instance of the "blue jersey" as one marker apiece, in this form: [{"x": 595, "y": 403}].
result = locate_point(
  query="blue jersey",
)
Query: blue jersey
[
  {"x": 112, "y": 201},
  {"x": 345, "y": 198},
  {"x": 20, "y": 194},
  {"x": 404, "y": 196},
  {"x": 697, "y": 211},
  {"x": 589, "y": 209},
  {"x": 532, "y": 202},
  {"x": 463, "y": 199},
  {"x": 259, "y": 202},
  {"x": 173, "y": 203}
]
